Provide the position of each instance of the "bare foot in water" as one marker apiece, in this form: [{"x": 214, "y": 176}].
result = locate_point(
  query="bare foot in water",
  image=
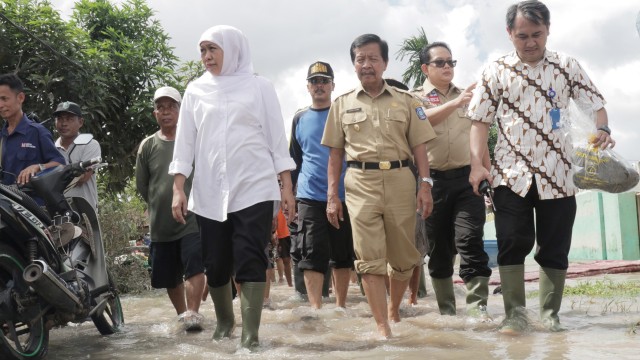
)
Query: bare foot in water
[
  {"x": 384, "y": 330},
  {"x": 412, "y": 299},
  {"x": 393, "y": 315}
]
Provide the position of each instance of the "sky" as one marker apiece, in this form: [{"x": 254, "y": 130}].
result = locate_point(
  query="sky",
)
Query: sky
[{"x": 286, "y": 36}]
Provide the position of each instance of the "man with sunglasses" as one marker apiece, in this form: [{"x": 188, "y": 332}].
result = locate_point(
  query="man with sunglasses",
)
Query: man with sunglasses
[
  {"x": 320, "y": 244},
  {"x": 524, "y": 93},
  {"x": 456, "y": 224}
]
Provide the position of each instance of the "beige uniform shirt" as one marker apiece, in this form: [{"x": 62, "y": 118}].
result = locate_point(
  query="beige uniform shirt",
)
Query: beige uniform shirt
[
  {"x": 450, "y": 149},
  {"x": 384, "y": 128},
  {"x": 518, "y": 97}
]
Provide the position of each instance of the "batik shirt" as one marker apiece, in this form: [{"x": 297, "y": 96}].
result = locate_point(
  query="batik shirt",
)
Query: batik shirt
[{"x": 517, "y": 96}]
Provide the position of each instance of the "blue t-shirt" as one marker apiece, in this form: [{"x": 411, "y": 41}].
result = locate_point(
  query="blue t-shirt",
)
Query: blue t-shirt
[
  {"x": 311, "y": 157},
  {"x": 29, "y": 144}
]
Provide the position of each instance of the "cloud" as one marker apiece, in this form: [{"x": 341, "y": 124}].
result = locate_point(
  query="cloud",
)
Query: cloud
[{"x": 288, "y": 35}]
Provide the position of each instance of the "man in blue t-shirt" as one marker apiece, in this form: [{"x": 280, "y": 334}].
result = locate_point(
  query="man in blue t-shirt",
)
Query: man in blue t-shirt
[
  {"x": 321, "y": 244},
  {"x": 26, "y": 146}
]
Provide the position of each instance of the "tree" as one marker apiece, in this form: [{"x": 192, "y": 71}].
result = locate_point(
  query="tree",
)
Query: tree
[
  {"x": 493, "y": 138},
  {"x": 411, "y": 48},
  {"x": 109, "y": 59}
]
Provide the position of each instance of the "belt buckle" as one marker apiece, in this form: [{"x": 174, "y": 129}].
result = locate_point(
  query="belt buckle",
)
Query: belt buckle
[{"x": 384, "y": 165}]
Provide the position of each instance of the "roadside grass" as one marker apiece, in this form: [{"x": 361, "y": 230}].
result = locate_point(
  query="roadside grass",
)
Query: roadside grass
[
  {"x": 605, "y": 288},
  {"x": 603, "y": 296}
]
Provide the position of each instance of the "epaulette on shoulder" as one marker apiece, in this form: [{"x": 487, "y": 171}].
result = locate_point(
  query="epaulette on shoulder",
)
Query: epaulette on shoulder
[
  {"x": 401, "y": 90},
  {"x": 419, "y": 88},
  {"x": 347, "y": 92}
]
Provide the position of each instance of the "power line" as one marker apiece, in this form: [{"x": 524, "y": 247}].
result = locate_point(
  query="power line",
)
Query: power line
[{"x": 44, "y": 43}]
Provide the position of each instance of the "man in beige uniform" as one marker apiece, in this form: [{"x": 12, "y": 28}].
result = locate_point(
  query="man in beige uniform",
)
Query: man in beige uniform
[
  {"x": 456, "y": 224},
  {"x": 379, "y": 127}
]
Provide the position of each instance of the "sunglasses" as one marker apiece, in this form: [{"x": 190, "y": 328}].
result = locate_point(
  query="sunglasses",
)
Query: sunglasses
[
  {"x": 441, "y": 63},
  {"x": 319, "y": 80}
]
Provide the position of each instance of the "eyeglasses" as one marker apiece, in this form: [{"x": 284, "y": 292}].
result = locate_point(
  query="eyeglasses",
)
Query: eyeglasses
[
  {"x": 319, "y": 80},
  {"x": 441, "y": 63}
]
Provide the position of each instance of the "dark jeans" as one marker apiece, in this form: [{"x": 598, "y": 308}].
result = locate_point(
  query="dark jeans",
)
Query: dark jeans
[
  {"x": 456, "y": 225},
  {"x": 237, "y": 245},
  {"x": 516, "y": 227}
]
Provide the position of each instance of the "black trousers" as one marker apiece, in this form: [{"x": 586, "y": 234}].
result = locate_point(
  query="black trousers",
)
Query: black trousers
[
  {"x": 322, "y": 245},
  {"x": 236, "y": 246},
  {"x": 456, "y": 225},
  {"x": 518, "y": 230}
]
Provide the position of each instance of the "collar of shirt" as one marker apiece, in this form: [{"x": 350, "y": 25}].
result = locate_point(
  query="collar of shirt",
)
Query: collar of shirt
[
  {"x": 549, "y": 57},
  {"x": 21, "y": 128},
  {"x": 428, "y": 87},
  {"x": 385, "y": 88}
]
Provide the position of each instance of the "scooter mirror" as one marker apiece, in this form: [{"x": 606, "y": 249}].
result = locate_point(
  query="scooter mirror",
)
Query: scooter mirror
[{"x": 83, "y": 139}]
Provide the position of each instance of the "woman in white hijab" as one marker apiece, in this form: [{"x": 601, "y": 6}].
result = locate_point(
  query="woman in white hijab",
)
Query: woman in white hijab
[{"x": 231, "y": 127}]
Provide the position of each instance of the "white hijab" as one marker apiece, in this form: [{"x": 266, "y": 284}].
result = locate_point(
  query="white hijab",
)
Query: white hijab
[{"x": 236, "y": 55}]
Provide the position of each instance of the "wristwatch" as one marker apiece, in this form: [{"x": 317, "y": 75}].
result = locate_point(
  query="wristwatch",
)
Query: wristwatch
[
  {"x": 427, "y": 180},
  {"x": 42, "y": 168},
  {"x": 605, "y": 128}
]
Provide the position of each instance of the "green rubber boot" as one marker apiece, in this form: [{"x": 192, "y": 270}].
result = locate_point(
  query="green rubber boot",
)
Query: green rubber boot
[
  {"x": 513, "y": 296},
  {"x": 444, "y": 295},
  {"x": 251, "y": 299},
  {"x": 223, "y": 307},
  {"x": 477, "y": 295},
  {"x": 551, "y": 288}
]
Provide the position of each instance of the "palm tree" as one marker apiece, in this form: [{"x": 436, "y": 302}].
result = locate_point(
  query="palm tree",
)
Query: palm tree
[{"x": 411, "y": 48}]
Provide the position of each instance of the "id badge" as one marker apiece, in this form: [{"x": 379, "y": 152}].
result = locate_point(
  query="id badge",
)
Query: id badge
[{"x": 555, "y": 118}]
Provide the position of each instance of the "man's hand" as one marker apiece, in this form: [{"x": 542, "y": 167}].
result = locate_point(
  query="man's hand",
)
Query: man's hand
[
  {"x": 334, "y": 211},
  {"x": 603, "y": 140},
  {"x": 424, "y": 201},
  {"x": 479, "y": 173},
  {"x": 27, "y": 173},
  {"x": 464, "y": 98},
  {"x": 288, "y": 203}
]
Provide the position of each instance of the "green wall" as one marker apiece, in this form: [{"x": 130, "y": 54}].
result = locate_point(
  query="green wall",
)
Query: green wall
[{"x": 606, "y": 227}]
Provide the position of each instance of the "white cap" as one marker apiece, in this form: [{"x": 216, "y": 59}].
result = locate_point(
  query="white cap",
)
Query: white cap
[{"x": 167, "y": 91}]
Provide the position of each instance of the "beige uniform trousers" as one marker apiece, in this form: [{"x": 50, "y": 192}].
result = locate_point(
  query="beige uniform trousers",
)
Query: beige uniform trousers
[{"x": 382, "y": 208}]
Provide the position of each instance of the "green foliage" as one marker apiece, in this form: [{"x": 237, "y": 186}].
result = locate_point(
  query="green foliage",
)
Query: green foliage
[
  {"x": 493, "y": 138},
  {"x": 605, "y": 288},
  {"x": 411, "y": 48},
  {"x": 109, "y": 59},
  {"x": 122, "y": 219}
]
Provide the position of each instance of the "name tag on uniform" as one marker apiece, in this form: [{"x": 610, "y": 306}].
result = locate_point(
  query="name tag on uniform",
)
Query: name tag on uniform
[
  {"x": 354, "y": 110},
  {"x": 434, "y": 98}
]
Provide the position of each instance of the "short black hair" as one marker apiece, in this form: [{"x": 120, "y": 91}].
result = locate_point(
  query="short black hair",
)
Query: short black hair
[
  {"x": 425, "y": 56},
  {"x": 13, "y": 82},
  {"x": 365, "y": 39},
  {"x": 532, "y": 10},
  {"x": 397, "y": 84}
]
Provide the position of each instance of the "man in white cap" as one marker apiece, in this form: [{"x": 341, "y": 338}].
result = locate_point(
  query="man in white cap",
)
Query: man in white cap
[
  {"x": 176, "y": 251},
  {"x": 69, "y": 120}
]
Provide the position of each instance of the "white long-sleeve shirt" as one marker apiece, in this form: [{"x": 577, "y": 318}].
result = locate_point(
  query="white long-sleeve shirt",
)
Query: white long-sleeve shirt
[{"x": 235, "y": 132}]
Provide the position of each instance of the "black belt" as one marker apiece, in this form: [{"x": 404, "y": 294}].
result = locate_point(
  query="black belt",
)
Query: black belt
[
  {"x": 382, "y": 165},
  {"x": 451, "y": 174}
]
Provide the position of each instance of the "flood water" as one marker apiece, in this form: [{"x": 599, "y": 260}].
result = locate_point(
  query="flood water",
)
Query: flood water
[{"x": 597, "y": 329}]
